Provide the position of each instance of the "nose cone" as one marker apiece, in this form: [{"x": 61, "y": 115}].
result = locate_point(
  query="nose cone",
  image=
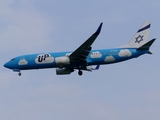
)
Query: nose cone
[{"x": 6, "y": 65}]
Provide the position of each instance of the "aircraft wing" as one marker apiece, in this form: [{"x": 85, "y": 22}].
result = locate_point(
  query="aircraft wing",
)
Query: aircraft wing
[{"x": 81, "y": 53}]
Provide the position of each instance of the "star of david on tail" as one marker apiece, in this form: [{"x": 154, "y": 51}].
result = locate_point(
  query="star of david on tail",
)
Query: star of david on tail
[{"x": 139, "y": 39}]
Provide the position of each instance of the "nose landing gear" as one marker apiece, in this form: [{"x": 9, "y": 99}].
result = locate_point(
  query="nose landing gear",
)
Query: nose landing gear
[{"x": 17, "y": 70}]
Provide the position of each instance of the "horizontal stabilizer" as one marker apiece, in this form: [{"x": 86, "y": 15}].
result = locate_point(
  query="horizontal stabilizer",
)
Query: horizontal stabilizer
[
  {"x": 149, "y": 52},
  {"x": 147, "y": 45}
]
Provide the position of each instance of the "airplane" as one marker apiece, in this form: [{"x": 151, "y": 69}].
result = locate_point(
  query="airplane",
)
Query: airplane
[{"x": 83, "y": 58}]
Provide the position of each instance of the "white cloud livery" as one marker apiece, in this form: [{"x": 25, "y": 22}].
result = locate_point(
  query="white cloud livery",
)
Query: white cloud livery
[
  {"x": 96, "y": 55},
  {"x": 124, "y": 53},
  {"x": 23, "y": 62},
  {"x": 109, "y": 59}
]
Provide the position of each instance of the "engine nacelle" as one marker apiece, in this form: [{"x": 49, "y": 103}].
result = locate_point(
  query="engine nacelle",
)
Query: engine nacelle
[
  {"x": 64, "y": 60},
  {"x": 63, "y": 71}
]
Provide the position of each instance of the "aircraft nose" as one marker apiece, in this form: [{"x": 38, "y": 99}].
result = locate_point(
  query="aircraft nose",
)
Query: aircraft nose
[{"x": 6, "y": 65}]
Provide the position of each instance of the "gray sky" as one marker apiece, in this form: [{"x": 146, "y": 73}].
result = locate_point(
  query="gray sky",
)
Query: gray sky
[{"x": 124, "y": 91}]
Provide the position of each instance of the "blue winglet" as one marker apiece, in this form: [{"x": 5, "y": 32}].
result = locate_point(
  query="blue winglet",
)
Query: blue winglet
[
  {"x": 97, "y": 67},
  {"x": 99, "y": 29}
]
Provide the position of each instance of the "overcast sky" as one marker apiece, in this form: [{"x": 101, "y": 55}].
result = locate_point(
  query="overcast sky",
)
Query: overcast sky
[{"x": 124, "y": 91}]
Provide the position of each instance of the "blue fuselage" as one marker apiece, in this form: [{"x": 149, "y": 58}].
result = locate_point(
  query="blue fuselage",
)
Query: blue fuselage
[{"x": 95, "y": 57}]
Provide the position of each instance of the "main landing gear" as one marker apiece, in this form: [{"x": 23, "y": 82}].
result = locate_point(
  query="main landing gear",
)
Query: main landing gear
[
  {"x": 79, "y": 69},
  {"x": 80, "y": 72}
]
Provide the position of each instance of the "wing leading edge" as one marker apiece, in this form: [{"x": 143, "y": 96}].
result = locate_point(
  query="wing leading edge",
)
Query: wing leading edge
[{"x": 81, "y": 53}]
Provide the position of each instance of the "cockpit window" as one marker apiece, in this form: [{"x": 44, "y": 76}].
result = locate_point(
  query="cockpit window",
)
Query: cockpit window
[{"x": 13, "y": 59}]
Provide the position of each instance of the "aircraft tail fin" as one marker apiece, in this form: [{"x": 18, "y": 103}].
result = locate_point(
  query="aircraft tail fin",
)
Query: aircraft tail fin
[{"x": 141, "y": 37}]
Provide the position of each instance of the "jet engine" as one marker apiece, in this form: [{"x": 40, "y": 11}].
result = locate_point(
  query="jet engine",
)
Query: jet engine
[
  {"x": 64, "y": 60},
  {"x": 63, "y": 71}
]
